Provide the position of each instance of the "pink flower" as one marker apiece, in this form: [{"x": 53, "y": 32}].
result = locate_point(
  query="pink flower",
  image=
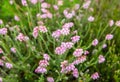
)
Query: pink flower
[
  {"x": 1, "y": 63},
  {"x": 16, "y": 18},
  {"x": 35, "y": 32},
  {"x": 70, "y": 68},
  {"x": 1, "y": 22},
  {"x": 78, "y": 52},
  {"x": 91, "y": 19},
  {"x": 1, "y": 79},
  {"x": 86, "y": 4},
  {"x": 79, "y": 60},
  {"x": 3, "y": 31},
  {"x": 67, "y": 45},
  {"x": 68, "y": 25},
  {"x": 46, "y": 57},
  {"x": 55, "y": 7},
  {"x": 77, "y": 6},
  {"x": 94, "y": 42},
  {"x": 65, "y": 31},
  {"x": 86, "y": 52},
  {"x": 60, "y": 50},
  {"x": 109, "y": 37},
  {"x": 24, "y": 2},
  {"x": 60, "y": 2},
  {"x": 8, "y": 65},
  {"x": 117, "y": 23},
  {"x": 33, "y": 1},
  {"x": 104, "y": 46},
  {"x": 43, "y": 63},
  {"x": 101, "y": 59},
  {"x": 45, "y": 5},
  {"x": 44, "y": 10},
  {"x": 64, "y": 64},
  {"x": 49, "y": 15},
  {"x": 1, "y": 51},
  {"x": 75, "y": 73},
  {"x": 50, "y": 79},
  {"x": 75, "y": 39},
  {"x": 40, "y": 69},
  {"x": 43, "y": 29},
  {"x": 43, "y": 16},
  {"x": 95, "y": 76},
  {"x": 20, "y": 37},
  {"x": 56, "y": 34},
  {"x": 111, "y": 23},
  {"x": 69, "y": 15},
  {"x": 13, "y": 50}
]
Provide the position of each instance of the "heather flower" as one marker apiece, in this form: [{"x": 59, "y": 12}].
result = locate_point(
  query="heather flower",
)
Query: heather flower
[
  {"x": 49, "y": 15},
  {"x": 16, "y": 18},
  {"x": 104, "y": 46},
  {"x": 109, "y": 37},
  {"x": 20, "y": 37},
  {"x": 95, "y": 76},
  {"x": 117, "y": 23},
  {"x": 111, "y": 23},
  {"x": 50, "y": 79},
  {"x": 1, "y": 63},
  {"x": 75, "y": 73},
  {"x": 56, "y": 34},
  {"x": 69, "y": 15},
  {"x": 3, "y": 58},
  {"x": 77, "y": 6},
  {"x": 1, "y": 79},
  {"x": 75, "y": 39},
  {"x": 60, "y": 50},
  {"x": 94, "y": 42},
  {"x": 43, "y": 16},
  {"x": 101, "y": 59},
  {"x": 68, "y": 25},
  {"x": 86, "y": 52},
  {"x": 67, "y": 45},
  {"x": 45, "y": 5},
  {"x": 78, "y": 52},
  {"x": 91, "y": 19},
  {"x": 65, "y": 12},
  {"x": 1, "y": 22},
  {"x": 64, "y": 64},
  {"x": 43, "y": 63},
  {"x": 44, "y": 10},
  {"x": 1, "y": 51},
  {"x": 60, "y": 2},
  {"x": 43, "y": 29},
  {"x": 40, "y": 69},
  {"x": 26, "y": 38},
  {"x": 3, "y": 31},
  {"x": 65, "y": 31},
  {"x": 24, "y": 2},
  {"x": 79, "y": 60},
  {"x": 86, "y": 4},
  {"x": 8, "y": 65},
  {"x": 13, "y": 50},
  {"x": 33, "y": 1},
  {"x": 55, "y": 7},
  {"x": 35, "y": 32},
  {"x": 46, "y": 57},
  {"x": 70, "y": 68},
  {"x": 40, "y": 23}
]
